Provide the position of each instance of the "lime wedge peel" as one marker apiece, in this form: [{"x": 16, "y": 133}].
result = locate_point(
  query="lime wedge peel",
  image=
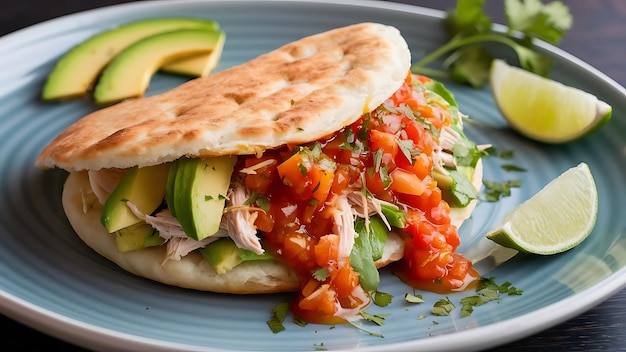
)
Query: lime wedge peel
[
  {"x": 545, "y": 110},
  {"x": 557, "y": 218}
]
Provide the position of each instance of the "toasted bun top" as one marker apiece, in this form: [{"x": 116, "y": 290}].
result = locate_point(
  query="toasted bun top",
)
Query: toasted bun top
[{"x": 298, "y": 93}]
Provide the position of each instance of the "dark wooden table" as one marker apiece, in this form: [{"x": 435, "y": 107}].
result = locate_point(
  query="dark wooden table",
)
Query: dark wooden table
[{"x": 597, "y": 37}]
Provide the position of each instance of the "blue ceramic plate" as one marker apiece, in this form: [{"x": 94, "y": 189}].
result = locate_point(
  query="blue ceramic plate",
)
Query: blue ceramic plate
[{"x": 52, "y": 282}]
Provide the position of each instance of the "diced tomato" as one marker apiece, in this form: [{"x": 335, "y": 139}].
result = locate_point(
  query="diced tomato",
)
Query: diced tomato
[
  {"x": 327, "y": 252},
  {"x": 421, "y": 138},
  {"x": 261, "y": 180},
  {"x": 297, "y": 246},
  {"x": 383, "y": 141},
  {"x": 406, "y": 182},
  {"x": 344, "y": 177},
  {"x": 421, "y": 165},
  {"x": 390, "y": 150},
  {"x": 264, "y": 222},
  {"x": 322, "y": 300},
  {"x": 345, "y": 280},
  {"x": 294, "y": 174}
]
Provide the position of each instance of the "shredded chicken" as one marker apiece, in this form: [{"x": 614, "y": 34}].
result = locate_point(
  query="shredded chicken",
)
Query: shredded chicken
[
  {"x": 179, "y": 247},
  {"x": 252, "y": 169},
  {"x": 178, "y": 243},
  {"x": 240, "y": 220},
  {"x": 365, "y": 207},
  {"x": 104, "y": 181},
  {"x": 343, "y": 225}
]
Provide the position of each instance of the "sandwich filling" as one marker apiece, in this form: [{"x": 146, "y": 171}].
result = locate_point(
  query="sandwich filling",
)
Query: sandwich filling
[{"x": 326, "y": 208}]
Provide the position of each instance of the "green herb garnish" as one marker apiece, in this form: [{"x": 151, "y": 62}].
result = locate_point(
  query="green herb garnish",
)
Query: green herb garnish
[
  {"x": 381, "y": 299},
  {"x": 320, "y": 274},
  {"x": 378, "y": 319},
  {"x": 466, "y": 58},
  {"x": 442, "y": 307},
  {"x": 511, "y": 167},
  {"x": 279, "y": 313},
  {"x": 487, "y": 291},
  {"x": 413, "y": 298},
  {"x": 494, "y": 191}
]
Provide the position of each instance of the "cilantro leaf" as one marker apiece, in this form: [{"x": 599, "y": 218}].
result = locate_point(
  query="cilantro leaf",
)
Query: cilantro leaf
[
  {"x": 279, "y": 313},
  {"x": 378, "y": 319},
  {"x": 320, "y": 274},
  {"x": 466, "y": 59},
  {"x": 442, "y": 307},
  {"x": 413, "y": 298},
  {"x": 368, "y": 248},
  {"x": 530, "y": 17},
  {"x": 468, "y": 17}
]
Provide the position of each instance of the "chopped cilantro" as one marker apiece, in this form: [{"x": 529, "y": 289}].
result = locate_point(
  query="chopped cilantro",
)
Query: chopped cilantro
[
  {"x": 494, "y": 191},
  {"x": 263, "y": 203},
  {"x": 300, "y": 322},
  {"x": 320, "y": 274},
  {"x": 260, "y": 200},
  {"x": 363, "y": 132},
  {"x": 208, "y": 198},
  {"x": 511, "y": 167},
  {"x": 488, "y": 290},
  {"x": 413, "y": 298},
  {"x": 279, "y": 313},
  {"x": 320, "y": 346},
  {"x": 443, "y": 307},
  {"x": 381, "y": 299},
  {"x": 378, "y": 319},
  {"x": 408, "y": 149},
  {"x": 493, "y": 151},
  {"x": 378, "y": 159},
  {"x": 303, "y": 170}
]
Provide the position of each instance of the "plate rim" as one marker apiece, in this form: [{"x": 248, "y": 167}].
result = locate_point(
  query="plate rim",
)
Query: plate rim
[{"x": 85, "y": 334}]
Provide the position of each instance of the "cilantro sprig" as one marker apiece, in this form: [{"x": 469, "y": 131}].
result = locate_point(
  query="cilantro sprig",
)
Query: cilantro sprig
[{"x": 466, "y": 58}]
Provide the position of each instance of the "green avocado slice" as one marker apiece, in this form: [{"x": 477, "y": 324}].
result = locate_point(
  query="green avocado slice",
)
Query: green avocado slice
[
  {"x": 138, "y": 236},
  {"x": 76, "y": 72},
  {"x": 144, "y": 187},
  {"x": 128, "y": 74},
  {"x": 200, "y": 187}
]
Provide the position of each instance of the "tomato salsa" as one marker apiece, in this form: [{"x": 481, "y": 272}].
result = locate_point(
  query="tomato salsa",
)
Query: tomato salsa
[{"x": 300, "y": 196}]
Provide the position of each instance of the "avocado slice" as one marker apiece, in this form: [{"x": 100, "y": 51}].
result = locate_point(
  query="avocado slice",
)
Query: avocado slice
[
  {"x": 197, "y": 65},
  {"x": 197, "y": 193},
  {"x": 128, "y": 74},
  {"x": 144, "y": 187},
  {"x": 76, "y": 72},
  {"x": 223, "y": 255},
  {"x": 137, "y": 236}
]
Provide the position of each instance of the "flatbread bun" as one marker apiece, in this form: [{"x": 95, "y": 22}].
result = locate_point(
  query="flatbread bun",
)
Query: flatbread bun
[
  {"x": 192, "y": 271},
  {"x": 298, "y": 93}
]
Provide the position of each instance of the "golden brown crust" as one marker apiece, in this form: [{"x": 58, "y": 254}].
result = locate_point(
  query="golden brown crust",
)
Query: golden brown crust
[{"x": 300, "y": 92}]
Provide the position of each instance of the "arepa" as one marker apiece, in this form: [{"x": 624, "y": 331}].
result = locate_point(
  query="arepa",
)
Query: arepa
[{"x": 298, "y": 93}]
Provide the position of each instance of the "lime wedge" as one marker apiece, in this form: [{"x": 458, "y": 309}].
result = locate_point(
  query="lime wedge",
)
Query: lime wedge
[
  {"x": 557, "y": 218},
  {"x": 542, "y": 109}
]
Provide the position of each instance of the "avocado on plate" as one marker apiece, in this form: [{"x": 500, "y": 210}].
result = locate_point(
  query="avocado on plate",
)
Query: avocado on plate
[{"x": 77, "y": 71}]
